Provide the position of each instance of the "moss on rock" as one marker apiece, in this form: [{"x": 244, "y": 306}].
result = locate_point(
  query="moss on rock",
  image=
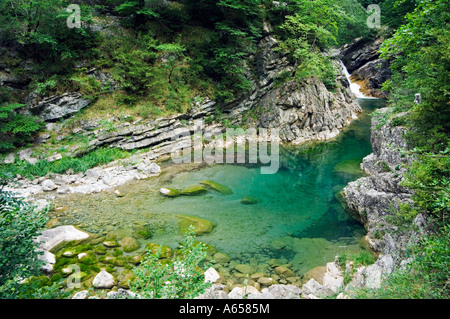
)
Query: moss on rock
[
  {"x": 129, "y": 244},
  {"x": 169, "y": 192},
  {"x": 193, "y": 190},
  {"x": 201, "y": 226},
  {"x": 224, "y": 190},
  {"x": 166, "y": 251},
  {"x": 249, "y": 200},
  {"x": 111, "y": 243}
]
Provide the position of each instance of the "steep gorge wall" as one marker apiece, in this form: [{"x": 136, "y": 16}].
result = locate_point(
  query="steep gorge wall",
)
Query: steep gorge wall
[{"x": 376, "y": 199}]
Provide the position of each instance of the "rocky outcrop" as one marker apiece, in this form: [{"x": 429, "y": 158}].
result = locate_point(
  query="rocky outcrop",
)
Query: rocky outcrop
[
  {"x": 377, "y": 198},
  {"x": 58, "y": 106},
  {"x": 362, "y": 60},
  {"x": 300, "y": 110}
]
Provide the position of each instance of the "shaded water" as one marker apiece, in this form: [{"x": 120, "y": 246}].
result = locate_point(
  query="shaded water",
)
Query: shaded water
[{"x": 298, "y": 216}]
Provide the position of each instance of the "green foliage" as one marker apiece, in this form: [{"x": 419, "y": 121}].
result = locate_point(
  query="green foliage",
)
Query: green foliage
[
  {"x": 40, "y": 27},
  {"x": 425, "y": 277},
  {"x": 157, "y": 72},
  {"x": 20, "y": 224},
  {"x": 306, "y": 33},
  {"x": 421, "y": 63},
  {"x": 181, "y": 277},
  {"x": 15, "y": 129},
  {"x": 364, "y": 258},
  {"x": 81, "y": 164},
  {"x": 354, "y": 24},
  {"x": 430, "y": 179}
]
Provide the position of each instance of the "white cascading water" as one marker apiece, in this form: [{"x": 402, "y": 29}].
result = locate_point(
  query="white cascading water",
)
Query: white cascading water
[{"x": 354, "y": 87}]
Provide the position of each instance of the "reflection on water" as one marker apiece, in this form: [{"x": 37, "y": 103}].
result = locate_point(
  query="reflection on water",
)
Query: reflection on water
[{"x": 298, "y": 215}]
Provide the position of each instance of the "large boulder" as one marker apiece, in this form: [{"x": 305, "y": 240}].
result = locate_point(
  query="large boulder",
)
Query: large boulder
[
  {"x": 104, "y": 280},
  {"x": 51, "y": 238}
]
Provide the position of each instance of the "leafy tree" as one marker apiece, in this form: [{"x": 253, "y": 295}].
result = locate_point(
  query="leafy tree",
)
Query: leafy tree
[
  {"x": 419, "y": 53},
  {"x": 307, "y": 33},
  {"x": 140, "y": 12}
]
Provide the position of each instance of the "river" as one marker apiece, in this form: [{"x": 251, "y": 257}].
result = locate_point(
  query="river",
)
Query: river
[{"x": 298, "y": 217}]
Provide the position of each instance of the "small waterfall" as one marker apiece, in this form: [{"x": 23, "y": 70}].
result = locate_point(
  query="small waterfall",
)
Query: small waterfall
[{"x": 354, "y": 87}]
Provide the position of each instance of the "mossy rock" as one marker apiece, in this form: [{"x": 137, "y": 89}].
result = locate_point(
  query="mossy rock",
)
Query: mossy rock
[
  {"x": 201, "y": 226},
  {"x": 88, "y": 259},
  {"x": 194, "y": 190},
  {"x": 111, "y": 243},
  {"x": 62, "y": 262},
  {"x": 221, "y": 258},
  {"x": 135, "y": 260},
  {"x": 99, "y": 250},
  {"x": 117, "y": 252},
  {"x": 142, "y": 231},
  {"x": 124, "y": 279},
  {"x": 169, "y": 192},
  {"x": 129, "y": 244},
  {"x": 249, "y": 200},
  {"x": 224, "y": 190},
  {"x": 166, "y": 251},
  {"x": 119, "y": 261},
  {"x": 89, "y": 268}
]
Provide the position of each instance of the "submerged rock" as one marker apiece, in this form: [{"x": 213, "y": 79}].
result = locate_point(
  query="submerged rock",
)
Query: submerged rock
[
  {"x": 249, "y": 200},
  {"x": 224, "y": 190},
  {"x": 130, "y": 244},
  {"x": 169, "y": 192},
  {"x": 111, "y": 243},
  {"x": 193, "y": 190},
  {"x": 244, "y": 269},
  {"x": 201, "y": 226},
  {"x": 351, "y": 166},
  {"x": 221, "y": 258},
  {"x": 166, "y": 251}
]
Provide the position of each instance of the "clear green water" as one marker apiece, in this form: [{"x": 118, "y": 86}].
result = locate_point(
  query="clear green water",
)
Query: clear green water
[{"x": 298, "y": 216}]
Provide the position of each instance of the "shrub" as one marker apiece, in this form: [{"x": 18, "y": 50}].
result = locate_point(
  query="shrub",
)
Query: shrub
[
  {"x": 181, "y": 277},
  {"x": 20, "y": 224},
  {"x": 15, "y": 129}
]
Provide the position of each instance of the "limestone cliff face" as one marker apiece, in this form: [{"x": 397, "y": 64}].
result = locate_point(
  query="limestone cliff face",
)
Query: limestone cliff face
[{"x": 376, "y": 198}]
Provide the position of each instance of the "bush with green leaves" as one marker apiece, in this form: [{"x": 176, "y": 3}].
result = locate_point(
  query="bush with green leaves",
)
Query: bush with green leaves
[
  {"x": 15, "y": 129},
  {"x": 20, "y": 224},
  {"x": 97, "y": 157},
  {"x": 426, "y": 276},
  {"x": 178, "y": 278}
]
